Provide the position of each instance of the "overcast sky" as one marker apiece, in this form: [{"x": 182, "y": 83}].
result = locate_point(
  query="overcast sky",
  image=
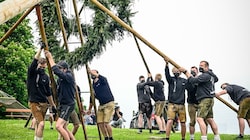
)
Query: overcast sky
[{"x": 187, "y": 31}]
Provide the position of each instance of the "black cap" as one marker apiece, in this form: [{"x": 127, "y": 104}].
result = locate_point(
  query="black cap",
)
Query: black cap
[{"x": 63, "y": 64}]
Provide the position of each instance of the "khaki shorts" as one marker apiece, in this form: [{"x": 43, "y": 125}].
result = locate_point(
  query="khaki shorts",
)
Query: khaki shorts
[
  {"x": 74, "y": 118},
  {"x": 105, "y": 112},
  {"x": 159, "y": 106},
  {"x": 244, "y": 109},
  {"x": 192, "y": 109},
  {"x": 205, "y": 108},
  {"x": 38, "y": 110},
  {"x": 174, "y": 109}
]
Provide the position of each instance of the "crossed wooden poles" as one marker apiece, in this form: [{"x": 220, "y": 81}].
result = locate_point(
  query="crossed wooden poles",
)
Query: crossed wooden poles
[{"x": 104, "y": 9}]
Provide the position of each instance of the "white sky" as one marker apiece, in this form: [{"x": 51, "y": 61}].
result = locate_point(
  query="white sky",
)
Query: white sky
[{"x": 187, "y": 31}]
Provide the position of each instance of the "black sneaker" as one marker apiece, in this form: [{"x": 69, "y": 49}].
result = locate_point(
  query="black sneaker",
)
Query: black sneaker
[
  {"x": 139, "y": 131},
  {"x": 161, "y": 132},
  {"x": 239, "y": 137},
  {"x": 31, "y": 128}
]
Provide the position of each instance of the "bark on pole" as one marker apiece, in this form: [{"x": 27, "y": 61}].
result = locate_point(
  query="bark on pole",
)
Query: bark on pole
[
  {"x": 11, "y": 8},
  {"x": 227, "y": 104},
  {"x": 59, "y": 15},
  {"x": 44, "y": 39},
  {"x": 86, "y": 65}
]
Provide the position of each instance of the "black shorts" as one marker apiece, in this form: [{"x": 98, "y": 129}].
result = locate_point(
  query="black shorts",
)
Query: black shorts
[
  {"x": 65, "y": 111},
  {"x": 146, "y": 108}
]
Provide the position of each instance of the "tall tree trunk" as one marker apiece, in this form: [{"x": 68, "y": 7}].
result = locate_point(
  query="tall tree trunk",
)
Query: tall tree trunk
[{"x": 11, "y": 8}]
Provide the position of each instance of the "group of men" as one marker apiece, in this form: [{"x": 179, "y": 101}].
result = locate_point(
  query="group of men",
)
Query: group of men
[
  {"x": 200, "y": 89},
  {"x": 40, "y": 96}
]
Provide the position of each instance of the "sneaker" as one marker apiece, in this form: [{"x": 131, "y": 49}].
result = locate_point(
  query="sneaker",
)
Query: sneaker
[
  {"x": 31, "y": 128},
  {"x": 161, "y": 132},
  {"x": 173, "y": 130},
  {"x": 139, "y": 131},
  {"x": 239, "y": 137}
]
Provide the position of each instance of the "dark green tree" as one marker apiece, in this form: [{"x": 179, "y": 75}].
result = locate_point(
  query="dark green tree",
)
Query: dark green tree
[{"x": 16, "y": 54}]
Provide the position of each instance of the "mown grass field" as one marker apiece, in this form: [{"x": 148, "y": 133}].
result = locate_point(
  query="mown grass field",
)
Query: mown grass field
[{"x": 14, "y": 130}]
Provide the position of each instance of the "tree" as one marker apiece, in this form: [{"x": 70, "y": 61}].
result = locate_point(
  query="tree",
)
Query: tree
[{"x": 16, "y": 54}]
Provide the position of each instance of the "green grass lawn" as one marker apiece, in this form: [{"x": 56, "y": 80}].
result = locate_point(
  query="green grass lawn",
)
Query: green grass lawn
[{"x": 14, "y": 130}]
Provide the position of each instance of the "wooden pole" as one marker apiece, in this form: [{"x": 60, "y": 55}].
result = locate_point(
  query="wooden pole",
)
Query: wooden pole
[
  {"x": 81, "y": 112},
  {"x": 59, "y": 15},
  {"x": 7, "y": 34},
  {"x": 44, "y": 39},
  {"x": 78, "y": 22},
  {"x": 81, "y": 38},
  {"x": 227, "y": 104},
  {"x": 141, "y": 54},
  {"x": 93, "y": 98},
  {"x": 11, "y": 8},
  {"x": 86, "y": 65},
  {"x": 28, "y": 120}
]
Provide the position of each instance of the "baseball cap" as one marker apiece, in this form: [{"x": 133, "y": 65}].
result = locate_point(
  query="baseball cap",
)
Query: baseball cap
[{"x": 63, "y": 64}]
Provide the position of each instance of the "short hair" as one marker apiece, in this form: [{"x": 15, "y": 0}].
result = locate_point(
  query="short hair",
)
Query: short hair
[
  {"x": 141, "y": 77},
  {"x": 96, "y": 71},
  {"x": 194, "y": 67},
  {"x": 224, "y": 84},
  {"x": 174, "y": 69},
  {"x": 42, "y": 61},
  {"x": 206, "y": 63},
  {"x": 158, "y": 76}
]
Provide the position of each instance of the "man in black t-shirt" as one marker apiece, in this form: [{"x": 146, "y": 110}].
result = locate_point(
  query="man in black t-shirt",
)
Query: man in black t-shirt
[
  {"x": 241, "y": 97},
  {"x": 66, "y": 89},
  {"x": 39, "y": 93}
]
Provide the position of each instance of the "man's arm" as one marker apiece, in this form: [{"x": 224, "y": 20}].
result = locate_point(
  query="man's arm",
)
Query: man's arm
[
  {"x": 221, "y": 93},
  {"x": 90, "y": 107},
  {"x": 51, "y": 101},
  {"x": 38, "y": 54},
  {"x": 50, "y": 58}
]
